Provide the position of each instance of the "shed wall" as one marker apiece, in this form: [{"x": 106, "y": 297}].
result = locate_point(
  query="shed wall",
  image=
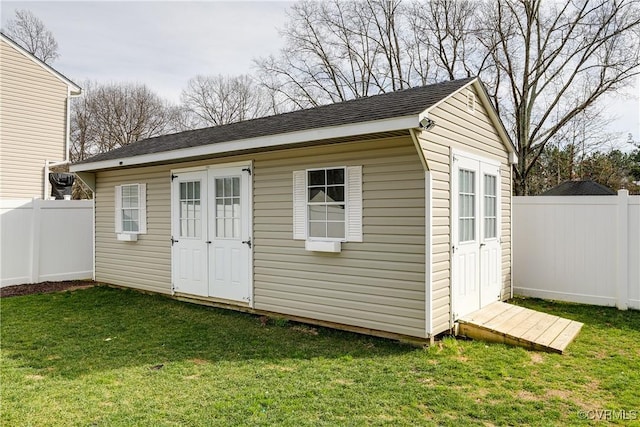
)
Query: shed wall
[
  {"x": 457, "y": 128},
  {"x": 32, "y": 123},
  {"x": 377, "y": 284}
]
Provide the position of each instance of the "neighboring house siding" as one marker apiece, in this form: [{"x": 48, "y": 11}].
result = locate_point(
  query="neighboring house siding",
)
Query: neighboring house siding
[
  {"x": 456, "y": 128},
  {"x": 377, "y": 284},
  {"x": 32, "y": 123}
]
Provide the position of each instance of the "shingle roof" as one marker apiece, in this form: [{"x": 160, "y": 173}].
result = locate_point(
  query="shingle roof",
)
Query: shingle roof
[
  {"x": 579, "y": 188},
  {"x": 389, "y": 105}
]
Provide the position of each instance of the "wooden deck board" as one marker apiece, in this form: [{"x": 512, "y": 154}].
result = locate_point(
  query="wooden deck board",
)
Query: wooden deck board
[
  {"x": 491, "y": 311},
  {"x": 566, "y": 336},
  {"x": 510, "y": 318},
  {"x": 552, "y": 332},
  {"x": 515, "y": 325}
]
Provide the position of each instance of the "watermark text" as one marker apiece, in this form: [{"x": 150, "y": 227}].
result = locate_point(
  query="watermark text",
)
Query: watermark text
[{"x": 609, "y": 415}]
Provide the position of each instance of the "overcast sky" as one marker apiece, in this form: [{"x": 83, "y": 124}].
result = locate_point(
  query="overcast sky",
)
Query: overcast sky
[{"x": 162, "y": 44}]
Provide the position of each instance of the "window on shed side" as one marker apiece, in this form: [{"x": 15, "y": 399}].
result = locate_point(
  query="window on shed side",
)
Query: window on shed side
[
  {"x": 130, "y": 206},
  {"x": 328, "y": 204}
]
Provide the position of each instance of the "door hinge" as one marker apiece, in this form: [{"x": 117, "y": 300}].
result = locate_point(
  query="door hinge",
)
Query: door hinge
[
  {"x": 247, "y": 170},
  {"x": 247, "y": 242},
  {"x": 173, "y": 177}
]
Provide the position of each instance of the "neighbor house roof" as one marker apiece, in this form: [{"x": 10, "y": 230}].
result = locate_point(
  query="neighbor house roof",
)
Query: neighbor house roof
[
  {"x": 73, "y": 88},
  {"x": 375, "y": 114},
  {"x": 579, "y": 188}
]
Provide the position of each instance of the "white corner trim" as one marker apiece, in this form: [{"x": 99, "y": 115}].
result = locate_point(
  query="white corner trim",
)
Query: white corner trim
[
  {"x": 513, "y": 158},
  {"x": 268, "y": 141},
  {"x": 322, "y": 246}
]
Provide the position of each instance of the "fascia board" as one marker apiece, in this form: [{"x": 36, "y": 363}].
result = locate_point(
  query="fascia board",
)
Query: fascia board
[{"x": 278, "y": 140}]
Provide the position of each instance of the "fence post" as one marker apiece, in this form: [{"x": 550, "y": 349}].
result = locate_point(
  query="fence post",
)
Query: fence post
[
  {"x": 622, "y": 274},
  {"x": 35, "y": 240}
]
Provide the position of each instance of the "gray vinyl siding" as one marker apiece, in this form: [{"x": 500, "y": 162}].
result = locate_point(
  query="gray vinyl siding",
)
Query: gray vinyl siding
[
  {"x": 377, "y": 284},
  {"x": 457, "y": 128},
  {"x": 32, "y": 123}
]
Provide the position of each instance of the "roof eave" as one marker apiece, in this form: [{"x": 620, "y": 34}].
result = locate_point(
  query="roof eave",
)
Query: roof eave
[{"x": 277, "y": 140}]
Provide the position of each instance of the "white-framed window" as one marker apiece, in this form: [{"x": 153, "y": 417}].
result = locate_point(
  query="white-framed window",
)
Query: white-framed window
[
  {"x": 467, "y": 205},
  {"x": 327, "y": 205},
  {"x": 490, "y": 206},
  {"x": 130, "y": 209}
]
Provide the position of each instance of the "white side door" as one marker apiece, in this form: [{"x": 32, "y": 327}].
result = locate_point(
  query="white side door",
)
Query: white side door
[
  {"x": 490, "y": 251},
  {"x": 465, "y": 232},
  {"x": 475, "y": 224},
  {"x": 189, "y": 233},
  {"x": 229, "y": 229}
]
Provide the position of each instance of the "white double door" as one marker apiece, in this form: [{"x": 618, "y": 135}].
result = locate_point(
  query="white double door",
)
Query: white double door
[
  {"x": 475, "y": 225},
  {"x": 211, "y": 232}
]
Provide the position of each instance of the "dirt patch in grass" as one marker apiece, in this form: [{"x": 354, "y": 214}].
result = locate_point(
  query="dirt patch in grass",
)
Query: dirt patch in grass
[
  {"x": 44, "y": 288},
  {"x": 536, "y": 358}
]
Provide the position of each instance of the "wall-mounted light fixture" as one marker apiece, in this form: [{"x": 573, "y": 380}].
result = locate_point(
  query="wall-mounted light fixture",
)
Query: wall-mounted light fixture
[{"x": 427, "y": 123}]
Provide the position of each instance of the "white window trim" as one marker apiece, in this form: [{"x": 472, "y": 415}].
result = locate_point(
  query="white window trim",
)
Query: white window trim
[
  {"x": 345, "y": 203},
  {"x": 142, "y": 213},
  {"x": 353, "y": 210}
]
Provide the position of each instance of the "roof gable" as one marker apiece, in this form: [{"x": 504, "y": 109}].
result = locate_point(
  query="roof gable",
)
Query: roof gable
[{"x": 74, "y": 88}]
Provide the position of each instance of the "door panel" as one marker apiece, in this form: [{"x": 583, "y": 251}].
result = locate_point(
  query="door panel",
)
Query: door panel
[
  {"x": 476, "y": 255},
  {"x": 230, "y": 228},
  {"x": 465, "y": 235},
  {"x": 490, "y": 251},
  {"x": 211, "y": 232},
  {"x": 188, "y": 230}
]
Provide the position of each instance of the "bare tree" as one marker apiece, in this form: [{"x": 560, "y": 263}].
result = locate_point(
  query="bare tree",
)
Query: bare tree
[
  {"x": 218, "y": 100},
  {"x": 337, "y": 51},
  {"x": 449, "y": 33},
  {"x": 29, "y": 31},
  {"x": 544, "y": 63},
  {"x": 109, "y": 116},
  {"x": 555, "y": 61}
]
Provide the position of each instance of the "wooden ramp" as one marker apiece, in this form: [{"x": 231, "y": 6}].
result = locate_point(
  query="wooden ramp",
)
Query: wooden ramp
[{"x": 514, "y": 325}]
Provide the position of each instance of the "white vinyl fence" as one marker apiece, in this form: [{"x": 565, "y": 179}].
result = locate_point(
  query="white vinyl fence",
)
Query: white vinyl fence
[
  {"x": 582, "y": 249},
  {"x": 45, "y": 240}
]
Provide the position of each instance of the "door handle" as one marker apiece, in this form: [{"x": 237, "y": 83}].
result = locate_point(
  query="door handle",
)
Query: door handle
[
  {"x": 208, "y": 242},
  {"x": 482, "y": 244},
  {"x": 247, "y": 242}
]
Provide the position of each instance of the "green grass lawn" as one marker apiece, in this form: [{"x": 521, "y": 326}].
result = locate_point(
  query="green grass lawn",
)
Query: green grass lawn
[{"x": 108, "y": 357}]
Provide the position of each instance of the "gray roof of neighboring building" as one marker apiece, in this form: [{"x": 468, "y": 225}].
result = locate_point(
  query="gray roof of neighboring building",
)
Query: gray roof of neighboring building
[
  {"x": 384, "y": 106},
  {"x": 579, "y": 188}
]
